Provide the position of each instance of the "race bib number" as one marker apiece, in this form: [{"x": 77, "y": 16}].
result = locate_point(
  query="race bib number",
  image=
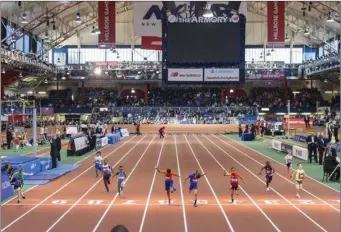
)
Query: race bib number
[
  {"x": 301, "y": 175},
  {"x": 234, "y": 180}
]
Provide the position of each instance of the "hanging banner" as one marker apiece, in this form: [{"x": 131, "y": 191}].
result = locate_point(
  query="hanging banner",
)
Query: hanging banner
[
  {"x": 147, "y": 18},
  {"x": 276, "y": 24},
  {"x": 107, "y": 24},
  {"x": 151, "y": 42}
]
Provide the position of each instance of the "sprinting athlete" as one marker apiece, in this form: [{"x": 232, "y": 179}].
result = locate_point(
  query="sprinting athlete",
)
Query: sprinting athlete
[
  {"x": 107, "y": 172},
  {"x": 234, "y": 182},
  {"x": 17, "y": 181},
  {"x": 299, "y": 175},
  {"x": 193, "y": 184},
  {"x": 169, "y": 183},
  {"x": 288, "y": 160},
  {"x": 269, "y": 171},
  {"x": 98, "y": 163},
  {"x": 162, "y": 132},
  {"x": 120, "y": 180}
]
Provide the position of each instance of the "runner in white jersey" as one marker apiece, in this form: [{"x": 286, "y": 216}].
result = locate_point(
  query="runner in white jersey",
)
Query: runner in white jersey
[{"x": 98, "y": 163}]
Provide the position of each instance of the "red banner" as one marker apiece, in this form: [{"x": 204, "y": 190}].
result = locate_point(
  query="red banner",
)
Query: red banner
[
  {"x": 151, "y": 42},
  {"x": 276, "y": 24},
  {"x": 106, "y": 24},
  {"x": 296, "y": 121}
]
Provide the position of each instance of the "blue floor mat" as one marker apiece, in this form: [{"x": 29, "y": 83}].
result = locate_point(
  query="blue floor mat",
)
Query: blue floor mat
[
  {"x": 36, "y": 182},
  {"x": 53, "y": 174}
]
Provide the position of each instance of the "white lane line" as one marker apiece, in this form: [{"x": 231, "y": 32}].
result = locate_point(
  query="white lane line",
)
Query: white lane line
[
  {"x": 311, "y": 194},
  {"x": 113, "y": 200},
  {"x": 248, "y": 196},
  {"x": 34, "y": 186},
  {"x": 86, "y": 193},
  {"x": 181, "y": 190},
  {"x": 212, "y": 190},
  {"x": 285, "y": 199},
  {"x": 151, "y": 189},
  {"x": 276, "y": 162},
  {"x": 60, "y": 189}
]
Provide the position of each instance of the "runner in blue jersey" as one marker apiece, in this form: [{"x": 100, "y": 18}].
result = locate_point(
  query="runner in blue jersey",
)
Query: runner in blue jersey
[
  {"x": 17, "y": 180},
  {"x": 120, "y": 180},
  {"x": 193, "y": 184}
]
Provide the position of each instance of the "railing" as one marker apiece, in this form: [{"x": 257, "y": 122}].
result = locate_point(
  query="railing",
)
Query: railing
[
  {"x": 322, "y": 65},
  {"x": 20, "y": 57}
]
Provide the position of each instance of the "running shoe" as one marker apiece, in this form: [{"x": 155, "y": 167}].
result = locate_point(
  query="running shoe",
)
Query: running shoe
[
  {"x": 298, "y": 196},
  {"x": 23, "y": 197},
  {"x": 267, "y": 189},
  {"x": 18, "y": 201}
]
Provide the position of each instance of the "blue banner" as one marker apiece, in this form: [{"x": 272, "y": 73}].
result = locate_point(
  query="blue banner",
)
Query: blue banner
[{"x": 6, "y": 187}]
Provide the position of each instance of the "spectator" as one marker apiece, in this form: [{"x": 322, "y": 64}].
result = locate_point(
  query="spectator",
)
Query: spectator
[{"x": 54, "y": 152}]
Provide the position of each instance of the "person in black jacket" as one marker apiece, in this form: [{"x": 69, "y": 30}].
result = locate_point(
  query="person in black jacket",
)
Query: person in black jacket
[
  {"x": 59, "y": 146},
  {"x": 54, "y": 152},
  {"x": 312, "y": 145},
  {"x": 336, "y": 128},
  {"x": 321, "y": 148},
  {"x": 330, "y": 163},
  {"x": 9, "y": 137},
  {"x": 306, "y": 120}
]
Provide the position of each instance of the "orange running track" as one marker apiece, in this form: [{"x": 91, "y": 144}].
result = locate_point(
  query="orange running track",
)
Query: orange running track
[{"x": 78, "y": 201}]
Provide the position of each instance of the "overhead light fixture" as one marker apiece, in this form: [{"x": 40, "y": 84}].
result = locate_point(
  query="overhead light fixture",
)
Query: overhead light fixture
[
  {"x": 139, "y": 72},
  {"x": 273, "y": 49},
  {"x": 13, "y": 39},
  {"x": 268, "y": 54},
  {"x": 97, "y": 31},
  {"x": 157, "y": 72},
  {"x": 106, "y": 72},
  {"x": 93, "y": 31},
  {"x": 132, "y": 90},
  {"x": 98, "y": 71},
  {"x": 82, "y": 78},
  {"x": 325, "y": 80},
  {"x": 46, "y": 82},
  {"x": 231, "y": 90},
  {"x": 42, "y": 92},
  {"x": 24, "y": 18},
  {"x": 261, "y": 56},
  {"x": 306, "y": 31},
  {"x": 207, "y": 13},
  {"x": 3, "y": 71},
  {"x": 78, "y": 18},
  {"x": 30, "y": 92},
  {"x": 287, "y": 37},
  {"x": 252, "y": 61},
  {"x": 330, "y": 18}
]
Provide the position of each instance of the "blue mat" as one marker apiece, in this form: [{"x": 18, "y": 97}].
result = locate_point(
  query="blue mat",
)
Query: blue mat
[
  {"x": 29, "y": 164},
  {"x": 53, "y": 174},
  {"x": 18, "y": 159},
  {"x": 36, "y": 182}
]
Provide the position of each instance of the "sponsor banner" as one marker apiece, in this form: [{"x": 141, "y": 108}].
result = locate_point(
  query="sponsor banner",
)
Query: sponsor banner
[
  {"x": 124, "y": 133},
  {"x": 98, "y": 143},
  {"x": 286, "y": 148},
  {"x": 265, "y": 75},
  {"x": 223, "y": 19},
  {"x": 298, "y": 121},
  {"x": 80, "y": 143},
  {"x": 276, "y": 126},
  {"x": 147, "y": 15},
  {"x": 322, "y": 109},
  {"x": 107, "y": 23},
  {"x": 300, "y": 152},
  {"x": 181, "y": 74},
  {"x": 276, "y": 24},
  {"x": 6, "y": 187},
  {"x": 71, "y": 130},
  {"x": 47, "y": 111},
  {"x": 221, "y": 74},
  {"x": 277, "y": 145},
  {"x": 151, "y": 42},
  {"x": 300, "y": 138},
  {"x": 104, "y": 141}
]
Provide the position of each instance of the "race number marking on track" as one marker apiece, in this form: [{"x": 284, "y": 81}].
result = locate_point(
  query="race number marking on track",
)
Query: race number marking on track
[
  {"x": 129, "y": 202},
  {"x": 164, "y": 202},
  {"x": 271, "y": 202},
  {"x": 306, "y": 202},
  {"x": 95, "y": 202},
  {"x": 59, "y": 202},
  {"x": 202, "y": 202}
]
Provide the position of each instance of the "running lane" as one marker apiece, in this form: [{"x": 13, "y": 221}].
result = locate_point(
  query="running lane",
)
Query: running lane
[
  {"x": 238, "y": 213},
  {"x": 207, "y": 213},
  {"x": 127, "y": 209},
  {"x": 159, "y": 215},
  {"x": 53, "y": 199},
  {"x": 310, "y": 221}
]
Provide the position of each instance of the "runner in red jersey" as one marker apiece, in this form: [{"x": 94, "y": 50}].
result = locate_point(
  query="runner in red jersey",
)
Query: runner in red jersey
[
  {"x": 234, "y": 182},
  {"x": 161, "y": 132}
]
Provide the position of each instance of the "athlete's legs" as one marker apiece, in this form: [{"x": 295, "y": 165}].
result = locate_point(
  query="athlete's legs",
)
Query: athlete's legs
[
  {"x": 298, "y": 190},
  {"x": 105, "y": 180},
  {"x": 168, "y": 195},
  {"x": 232, "y": 194},
  {"x": 195, "y": 196},
  {"x": 96, "y": 172}
]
